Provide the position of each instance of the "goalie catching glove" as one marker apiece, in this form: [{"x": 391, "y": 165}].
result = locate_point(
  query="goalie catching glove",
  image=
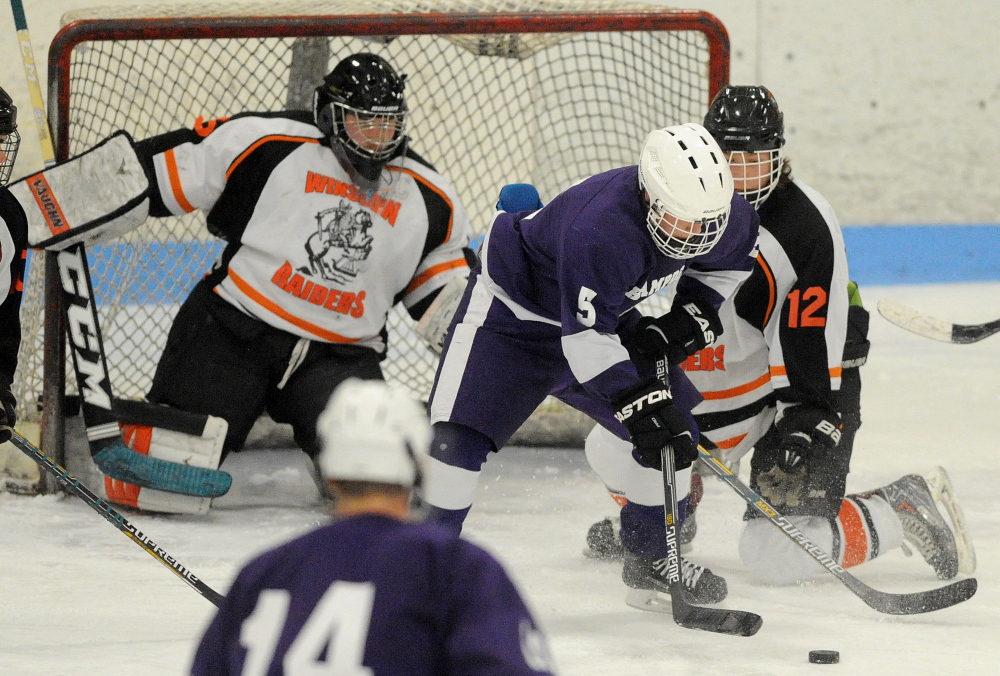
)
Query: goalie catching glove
[
  {"x": 170, "y": 462},
  {"x": 691, "y": 325},
  {"x": 648, "y": 413},
  {"x": 808, "y": 436}
]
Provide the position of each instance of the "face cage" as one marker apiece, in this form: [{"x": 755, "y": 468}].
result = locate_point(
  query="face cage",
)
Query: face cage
[
  {"x": 767, "y": 168},
  {"x": 9, "y": 148},
  {"x": 368, "y": 121},
  {"x": 695, "y": 245}
]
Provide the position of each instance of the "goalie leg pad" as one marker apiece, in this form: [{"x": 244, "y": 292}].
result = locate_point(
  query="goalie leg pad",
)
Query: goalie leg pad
[
  {"x": 91, "y": 198},
  {"x": 152, "y": 500},
  {"x": 167, "y": 450}
]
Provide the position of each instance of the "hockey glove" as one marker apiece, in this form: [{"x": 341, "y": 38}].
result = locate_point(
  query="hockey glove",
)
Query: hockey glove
[
  {"x": 648, "y": 413},
  {"x": 516, "y": 197},
  {"x": 693, "y": 324},
  {"x": 807, "y": 436},
  {"x": 8, "y": 414}
]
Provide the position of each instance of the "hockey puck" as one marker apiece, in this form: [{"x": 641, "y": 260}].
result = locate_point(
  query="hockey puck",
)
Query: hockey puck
[{"x": 824, "y": 656}]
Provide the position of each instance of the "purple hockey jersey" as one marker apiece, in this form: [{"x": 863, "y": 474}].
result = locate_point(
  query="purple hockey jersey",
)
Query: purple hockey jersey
[
  {"x": 374, "y": 596},
  {"x": 587, "y": 258}
]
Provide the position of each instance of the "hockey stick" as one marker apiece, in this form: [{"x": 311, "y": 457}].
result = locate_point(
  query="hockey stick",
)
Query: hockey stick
[
  {"x": 718, "y": 620},
  {"x": 937, "y": 329},
  {"x": 34, "y": 88},
  {"x": 73, "y": 485},
  {"x": 884, "y": 602}
]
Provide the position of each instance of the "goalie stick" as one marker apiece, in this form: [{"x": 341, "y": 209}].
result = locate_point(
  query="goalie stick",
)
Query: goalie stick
[
  {"x": 73, "y": 485},
  {"x": 884, "y": 602},
  {"x": 718, "y": 620},
  {"x": 937, "y": 329}
]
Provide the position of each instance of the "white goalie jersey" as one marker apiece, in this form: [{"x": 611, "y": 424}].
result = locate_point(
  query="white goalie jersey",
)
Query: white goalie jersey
[{"x": 330, "y": 263}]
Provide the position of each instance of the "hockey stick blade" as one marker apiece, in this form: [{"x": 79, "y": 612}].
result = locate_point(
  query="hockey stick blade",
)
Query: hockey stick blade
[
  {"x": 717, "y": 620},
  {"x": 936, "y": 329},
  {"x": 120, "y": 462},
  {"x": 102, "y": 507},
  {"x": 883, "y": 602}
]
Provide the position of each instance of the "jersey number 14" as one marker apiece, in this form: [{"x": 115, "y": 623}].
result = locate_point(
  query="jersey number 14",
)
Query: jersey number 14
[{"x": 337, "y": 626}]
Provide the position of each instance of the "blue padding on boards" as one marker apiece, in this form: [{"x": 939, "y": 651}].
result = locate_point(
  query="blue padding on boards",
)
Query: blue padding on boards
[{"x": 923, "y": 254}]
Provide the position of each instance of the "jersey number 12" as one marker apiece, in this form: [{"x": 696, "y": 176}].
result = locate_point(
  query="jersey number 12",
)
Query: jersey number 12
[{"x": 338, "y": 626}]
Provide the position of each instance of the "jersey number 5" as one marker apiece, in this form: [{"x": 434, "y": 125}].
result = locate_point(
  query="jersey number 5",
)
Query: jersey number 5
[
  {"x": 337, "y": 626},
  {"x": 587, "y": 314},
  {"x": 817, "y": 294}
]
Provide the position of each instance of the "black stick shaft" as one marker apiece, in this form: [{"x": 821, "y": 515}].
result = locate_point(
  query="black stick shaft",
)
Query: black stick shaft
[{"x": 102, "y": 507}]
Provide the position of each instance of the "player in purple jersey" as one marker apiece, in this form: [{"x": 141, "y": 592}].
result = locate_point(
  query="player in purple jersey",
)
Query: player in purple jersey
[
  {"x": 372, "y": 593},
  {"x": 551, "y": 310}
]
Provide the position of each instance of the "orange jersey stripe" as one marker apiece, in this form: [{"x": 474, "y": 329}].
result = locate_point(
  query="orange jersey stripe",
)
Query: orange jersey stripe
[
  {"x": 432, "y": 271},
  {"x": 737, "y": 391},
  {"x": 259, "y": 298},
  {"x": 260, "y": 142},
  {"x": 175, "y": 182},
  {"x": 855, "y": 537},
  {"x": 451, "y": 207},
  {"x": 835, "y": 372},
  {"x": 772, "y": 292}
]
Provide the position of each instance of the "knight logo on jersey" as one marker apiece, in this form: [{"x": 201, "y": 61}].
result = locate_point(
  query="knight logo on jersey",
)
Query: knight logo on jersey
[
  {"x": 341, "y": 243},
  {"x": 651, "y": 287}
]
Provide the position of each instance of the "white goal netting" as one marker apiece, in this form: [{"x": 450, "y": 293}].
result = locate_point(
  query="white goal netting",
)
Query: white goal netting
[{"x": 500, "y": 92}]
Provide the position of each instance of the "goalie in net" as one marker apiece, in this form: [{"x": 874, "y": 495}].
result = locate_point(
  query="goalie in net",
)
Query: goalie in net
[
  {"x": 330, "y": 219},
  {"x": 784, "y": 381}
]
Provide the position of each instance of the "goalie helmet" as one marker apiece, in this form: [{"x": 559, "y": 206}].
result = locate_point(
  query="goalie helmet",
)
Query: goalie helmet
[
  {"x": 373, "y": 432},
  {"x": 360, "y": 106},
  {"x": 689, "y": 187},
  {"x": 750, "y": 129},
  {"x": 8, "y": 130}
]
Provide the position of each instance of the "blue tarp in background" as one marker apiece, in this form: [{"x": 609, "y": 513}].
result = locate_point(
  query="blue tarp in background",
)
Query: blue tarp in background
[{"x": 878, "y": 255}]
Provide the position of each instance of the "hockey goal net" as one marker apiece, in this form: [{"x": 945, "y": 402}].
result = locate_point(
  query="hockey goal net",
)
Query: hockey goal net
[{"x": 500, "y": 91}]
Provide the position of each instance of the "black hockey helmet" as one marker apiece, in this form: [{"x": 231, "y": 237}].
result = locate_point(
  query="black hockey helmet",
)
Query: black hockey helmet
[
  {"x": 746, "y": 118},
  {"x": 8, "y": 129},
  {"x": 365, "y": 87}
]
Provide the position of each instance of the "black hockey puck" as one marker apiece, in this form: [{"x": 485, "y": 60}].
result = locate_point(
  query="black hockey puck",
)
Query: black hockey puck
[{"x": 824, "y": 656}]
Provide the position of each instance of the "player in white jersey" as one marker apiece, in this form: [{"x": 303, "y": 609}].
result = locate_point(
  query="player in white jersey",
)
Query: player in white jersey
[
  {"x": 784, "y": 380},
  {"x": 13, "y": 251},
  {"x": 330, "y": 219}
]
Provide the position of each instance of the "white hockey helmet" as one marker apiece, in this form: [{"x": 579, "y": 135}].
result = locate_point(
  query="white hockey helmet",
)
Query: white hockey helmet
[
  {"x": 373, "y": 432},
  {"x": 686, "y": 176}
]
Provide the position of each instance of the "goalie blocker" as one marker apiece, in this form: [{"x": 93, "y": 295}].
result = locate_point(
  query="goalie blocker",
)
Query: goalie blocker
[{"x": 175, "y": 437}]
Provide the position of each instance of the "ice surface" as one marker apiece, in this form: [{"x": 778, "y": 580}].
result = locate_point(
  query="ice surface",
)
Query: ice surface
[{"x": 78, "y": 597}]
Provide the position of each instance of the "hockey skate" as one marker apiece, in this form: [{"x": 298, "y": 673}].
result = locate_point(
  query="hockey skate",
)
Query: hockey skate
[
  {"x": 923, "y": 526},
  {"x": 646, "y": 580}
]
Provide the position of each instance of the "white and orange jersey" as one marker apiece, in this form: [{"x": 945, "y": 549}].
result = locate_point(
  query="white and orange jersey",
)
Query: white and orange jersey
[
  {"x": 307, "y": 251},
  {"x": 784, "y": 330}
]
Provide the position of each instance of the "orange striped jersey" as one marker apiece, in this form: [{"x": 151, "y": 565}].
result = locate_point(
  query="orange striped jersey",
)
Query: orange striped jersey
[
  {"x": 784, "y": 329},
  {"x": 308, "y": 251},
  {"x": 13, "y": 255}
]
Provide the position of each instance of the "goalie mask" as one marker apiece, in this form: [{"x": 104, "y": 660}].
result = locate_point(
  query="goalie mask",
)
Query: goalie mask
[
  {"x": 8, "y": 133},
  {"x": 372, "y": 432},
  {"x": 749, "y": 127},
  {"x": 689, "y": 187},
  {"x": 360, "y": 106}
]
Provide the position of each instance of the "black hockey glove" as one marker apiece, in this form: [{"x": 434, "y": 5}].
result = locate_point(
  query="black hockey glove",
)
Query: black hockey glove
[
  {"x": 808, "y": 435},
  {"x": 692, "y": 325},
  {"x": 648, "y": 413},
  {"x": 8, "y": 415}
]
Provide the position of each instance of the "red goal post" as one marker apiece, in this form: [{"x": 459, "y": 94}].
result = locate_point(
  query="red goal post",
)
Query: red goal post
[{"x": 500, "y": 92}]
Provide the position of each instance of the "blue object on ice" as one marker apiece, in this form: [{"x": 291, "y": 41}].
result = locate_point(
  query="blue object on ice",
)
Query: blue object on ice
[{"x": 120, "y": 462}]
